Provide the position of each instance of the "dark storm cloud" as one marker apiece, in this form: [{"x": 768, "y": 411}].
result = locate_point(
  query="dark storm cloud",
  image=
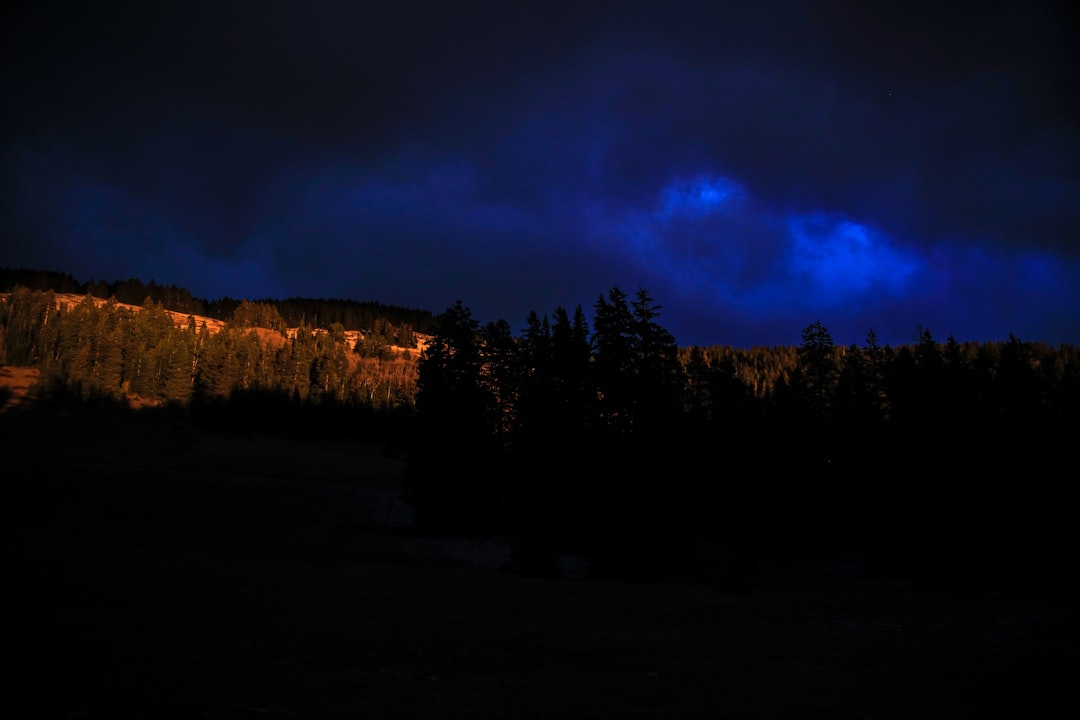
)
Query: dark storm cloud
[{"x": 755, "y": 166}]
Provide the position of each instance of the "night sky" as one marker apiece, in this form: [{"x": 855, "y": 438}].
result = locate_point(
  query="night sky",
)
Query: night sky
[{"x": 755, "y": 166}]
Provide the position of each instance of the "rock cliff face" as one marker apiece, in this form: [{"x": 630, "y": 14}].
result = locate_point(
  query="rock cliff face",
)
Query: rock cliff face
[
  {"x": 214, "y": 325},
  {"x": 181, "y": 319}
]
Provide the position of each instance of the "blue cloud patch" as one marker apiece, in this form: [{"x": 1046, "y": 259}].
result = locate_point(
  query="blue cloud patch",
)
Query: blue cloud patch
[
  {"x": 698, "y": 198},
  {"x": 842, "y": 259}
]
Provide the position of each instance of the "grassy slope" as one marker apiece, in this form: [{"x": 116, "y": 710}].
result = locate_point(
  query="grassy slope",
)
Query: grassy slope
[{"x": 165, "y": 572}]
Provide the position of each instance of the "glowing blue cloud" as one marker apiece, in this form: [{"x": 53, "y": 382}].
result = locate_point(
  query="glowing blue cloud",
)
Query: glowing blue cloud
[
  {"x": 706, "y": 232},
  {"x": 708, "y": 244},
  {"x": 842, "y": 259},
  {"x": 698, "y": 198},
  {"x": 703, "y": 230}
]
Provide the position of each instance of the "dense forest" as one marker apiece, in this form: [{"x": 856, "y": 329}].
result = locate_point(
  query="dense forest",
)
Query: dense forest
[
  {"x": 945, "y": 461},
  {"x": 942, "y": 461}
]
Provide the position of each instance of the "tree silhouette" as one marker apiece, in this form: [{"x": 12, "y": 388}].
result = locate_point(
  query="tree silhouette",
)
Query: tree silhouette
[
  {"x": 454, "y": 475},
  {"x": 817, "y": 371}
]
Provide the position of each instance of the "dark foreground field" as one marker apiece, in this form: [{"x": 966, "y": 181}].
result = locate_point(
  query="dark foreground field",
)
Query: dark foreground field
[{"x": 165, "y": 572}]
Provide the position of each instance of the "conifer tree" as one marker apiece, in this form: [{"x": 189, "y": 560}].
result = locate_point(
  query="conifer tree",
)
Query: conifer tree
[
  {"x": 817, "y": 371},
  {"x": 614, "y": 368},
  {"x": 454, "y": 470},
  {"x": 500, "y": 377}
]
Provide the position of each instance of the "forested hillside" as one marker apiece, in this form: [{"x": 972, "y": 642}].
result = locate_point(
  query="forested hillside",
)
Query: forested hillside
[
  {"x": 253, "y": 370},
  {"x": 941, "y": 460},
  {"x": 353, "y": 315}
]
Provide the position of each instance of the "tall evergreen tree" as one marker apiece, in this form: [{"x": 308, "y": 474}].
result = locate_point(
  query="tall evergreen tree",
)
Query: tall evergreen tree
[
  {"x": 500, "y": 377},
  {"x": 658, "y": 373},
  {"x": 453, "y": 475},
  {"x": 817, "y": 372},
  {"x": 614, "y": 353}
]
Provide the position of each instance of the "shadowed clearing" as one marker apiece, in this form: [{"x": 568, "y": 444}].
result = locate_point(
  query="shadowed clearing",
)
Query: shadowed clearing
[{"x": 166, "y": 572}]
